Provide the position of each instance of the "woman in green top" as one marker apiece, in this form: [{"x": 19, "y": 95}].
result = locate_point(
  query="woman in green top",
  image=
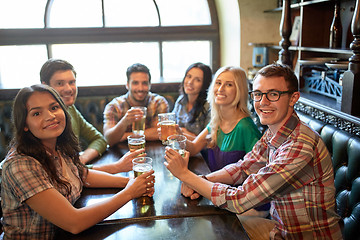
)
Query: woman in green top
[{"x": 231, "y": 129}]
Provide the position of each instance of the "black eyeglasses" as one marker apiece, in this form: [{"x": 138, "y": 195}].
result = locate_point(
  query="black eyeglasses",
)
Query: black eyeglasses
[{"x": 272, "y": 95}]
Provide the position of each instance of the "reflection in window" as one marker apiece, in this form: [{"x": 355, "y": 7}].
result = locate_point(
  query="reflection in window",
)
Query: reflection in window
[
  {"x": 106, "y": 63},
  {"x": 72, "y": 14},
  {"x": 20, "y": 65},
  {"x": 134, "y": 13},
  {"x": 179, "y": 55},
  {"x": 17, "y": 13},
  {"x": 184, "y": 12}
]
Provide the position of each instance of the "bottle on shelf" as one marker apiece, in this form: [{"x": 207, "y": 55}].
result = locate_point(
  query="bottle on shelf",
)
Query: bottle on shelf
[{"x": 336, "y": 28}]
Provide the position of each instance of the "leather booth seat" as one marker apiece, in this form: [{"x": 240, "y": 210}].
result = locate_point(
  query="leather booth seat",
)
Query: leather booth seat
[
  {"x": 5, "y": 126},
  {"x": 345, "y": 151}
]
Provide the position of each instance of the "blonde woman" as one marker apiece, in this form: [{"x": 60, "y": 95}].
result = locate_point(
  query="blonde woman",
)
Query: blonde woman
[{"x": 231, "y": 133}]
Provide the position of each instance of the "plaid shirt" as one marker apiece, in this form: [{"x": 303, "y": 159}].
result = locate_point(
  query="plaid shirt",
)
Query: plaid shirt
[
  {"x": 22, "y": 178},
  {"x": 293, "y": 170},
  {"x": 117, "y": 108}
]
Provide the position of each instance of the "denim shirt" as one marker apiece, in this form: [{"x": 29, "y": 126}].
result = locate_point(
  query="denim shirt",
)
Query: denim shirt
[{"x": 183, "y": 116}]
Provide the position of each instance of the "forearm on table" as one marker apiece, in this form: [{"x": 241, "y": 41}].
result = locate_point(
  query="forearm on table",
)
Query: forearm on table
[
  {"x": 197, "y": 183},
  {"x": 88, "y": 155},
  {"x": 109, "y": 168},
  {"x": 220, "y": 176},
  {"x": 95, "y": 213},
  {"x": 100, "y": 179}
]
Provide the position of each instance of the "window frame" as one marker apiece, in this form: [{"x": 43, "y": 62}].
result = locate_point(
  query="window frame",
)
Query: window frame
[{"x": 49, "y": 36}]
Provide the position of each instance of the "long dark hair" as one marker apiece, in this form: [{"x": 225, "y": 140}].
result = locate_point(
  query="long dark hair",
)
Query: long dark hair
[
  {"x": 201, "y": 99},
  {"x": 26, "y": 143}
]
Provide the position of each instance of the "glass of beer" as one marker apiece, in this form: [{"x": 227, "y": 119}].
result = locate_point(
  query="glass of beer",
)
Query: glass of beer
[
  {"x": 178, "y": 143},
  {"x": 167, "y": 124},
  {"x": 138, "y": 127},
  {"x": 136, "y": 142},
  {"x": 141, "y": 165}
]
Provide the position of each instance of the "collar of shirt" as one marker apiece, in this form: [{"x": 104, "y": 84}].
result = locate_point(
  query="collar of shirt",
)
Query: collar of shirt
[{"x": 277, "y": 139}]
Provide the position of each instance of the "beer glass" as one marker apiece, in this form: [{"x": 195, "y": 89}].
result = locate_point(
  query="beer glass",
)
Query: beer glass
[
  {"x": 136, "y": 142},
  {"x": 141, "y": 165},
  {"x": 138, "y": 127},
  {"x": 167, "y": 124},
  {"x": 178, "y": 143}
]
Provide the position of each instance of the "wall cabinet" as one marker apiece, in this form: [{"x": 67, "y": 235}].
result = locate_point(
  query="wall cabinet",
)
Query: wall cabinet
[{"x": 309, "y": 54}]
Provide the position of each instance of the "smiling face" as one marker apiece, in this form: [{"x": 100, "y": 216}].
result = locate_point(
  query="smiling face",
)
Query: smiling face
[
  {"x": 64, "y": 82},
  {"x": 138, "y": 86},
  {"x": 274, "y": 114},
  {"x": 45, "y": 118},
  {"x": 193, "y": 81},
  {"x": 225, "y": 89}
]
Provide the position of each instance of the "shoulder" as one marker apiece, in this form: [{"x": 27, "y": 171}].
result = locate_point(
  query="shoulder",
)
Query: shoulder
[
  {"x": 157, "y": 101},
  {"x": 18, "y": 163},
  {"x": 117, "y": 102},
  {"x": 156, "y": 97},
  {"x": 246, "y": 127},
  {"x": 119, "y": 99},
  {"x": 180, "y": 99},
  {"x": 246, "y": 123},
  {"x": 305, "y": 134},
  {"x": 74, "y": 112}
]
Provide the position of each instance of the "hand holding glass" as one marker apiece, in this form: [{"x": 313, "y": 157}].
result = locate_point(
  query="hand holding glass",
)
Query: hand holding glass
[
  {"x": 138, "y": 127},
  {"x": 167, "y": 124},
  {"x": 178, "y": 143}
]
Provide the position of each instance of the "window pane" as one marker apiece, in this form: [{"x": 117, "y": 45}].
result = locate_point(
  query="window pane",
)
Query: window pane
[
  {"x": 134, "y": 13},
  {"x": 20, "y": 65},
  {"x": 17, "y": 14},
  {"x": 184, "y": 12},
  {"x": 179, "y": 55},
  {"x": 79, "y": 13},
  {"x": 106, "y": 63}
]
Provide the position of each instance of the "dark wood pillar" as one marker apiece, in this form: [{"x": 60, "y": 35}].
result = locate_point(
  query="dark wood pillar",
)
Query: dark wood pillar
[
  {"x": 285, "y": 32},
  {"x": 350, "y": 102}
]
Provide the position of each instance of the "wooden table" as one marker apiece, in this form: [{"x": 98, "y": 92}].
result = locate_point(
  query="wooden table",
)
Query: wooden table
[{"x": 167, "y": 215}]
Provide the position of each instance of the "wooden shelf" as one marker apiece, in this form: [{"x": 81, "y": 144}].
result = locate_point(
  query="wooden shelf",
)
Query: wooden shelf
[
  {"x": 314, "y": 35},
  {"x": 325, "y": 50},
  {"x": 297, "y": 5}
]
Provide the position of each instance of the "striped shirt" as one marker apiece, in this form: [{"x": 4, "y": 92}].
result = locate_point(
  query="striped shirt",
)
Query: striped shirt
[
  {"x": 117, "y": 108},
  {"x": 293, "y": 170}
]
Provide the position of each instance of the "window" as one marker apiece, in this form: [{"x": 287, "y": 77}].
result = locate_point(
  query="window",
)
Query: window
[
  {"x": 13, "y": 13},
  {"x": 20, "y": 65},
  {"x": 101, "y": 38}
]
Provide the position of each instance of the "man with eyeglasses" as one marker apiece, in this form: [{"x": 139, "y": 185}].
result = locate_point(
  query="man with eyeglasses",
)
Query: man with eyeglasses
[{"x": 289, "y": 167}]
